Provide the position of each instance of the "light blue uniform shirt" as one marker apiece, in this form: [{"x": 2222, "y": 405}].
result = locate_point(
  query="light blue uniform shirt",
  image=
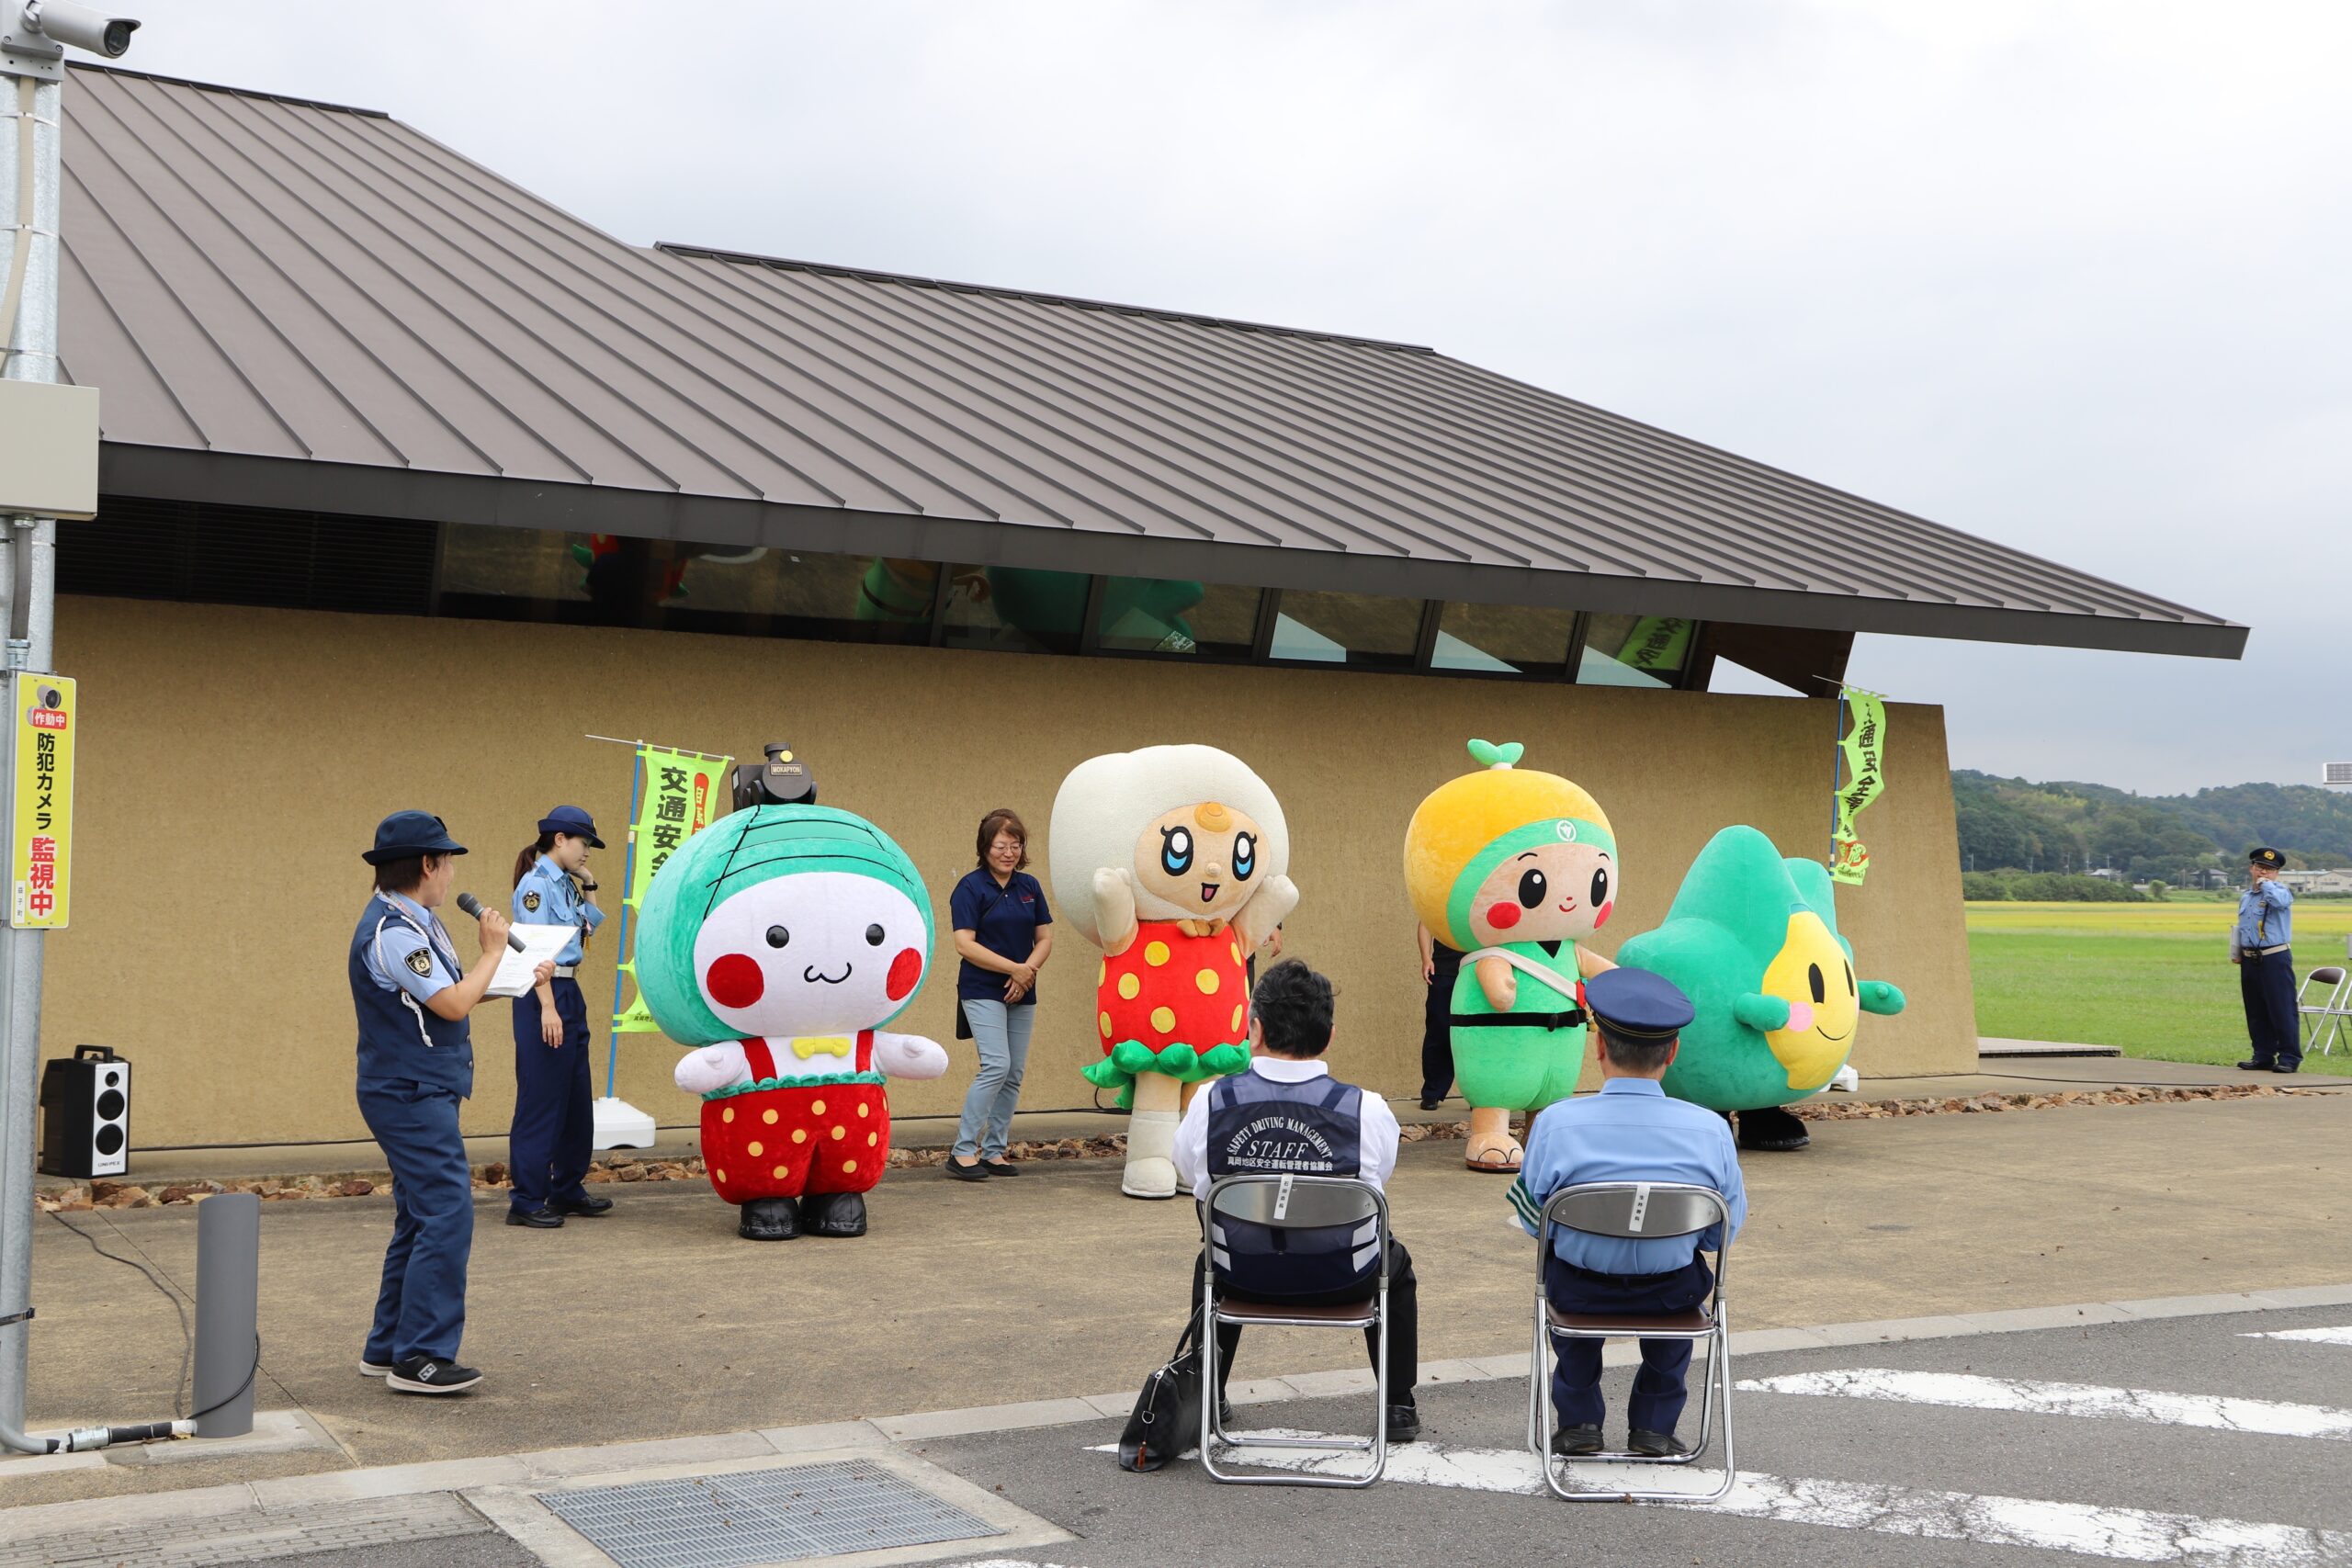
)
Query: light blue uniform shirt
[
  {"x": 545, "y": 897},
  {"x": 2263, "y": 917},
  {"x": 1629, "y": 1132},
  {"x": 411, "y": 949}
]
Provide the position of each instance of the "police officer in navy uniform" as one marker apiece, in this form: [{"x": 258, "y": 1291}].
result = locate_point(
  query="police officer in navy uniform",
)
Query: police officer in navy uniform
[
  {"x": 416, "y": 1065},
  {"x": 1288, "y": 1113},
  {"x": 553, "y": 1135},
  {"x": 2259, "y": 947},
  {"x": 1629, "y": 1132}
]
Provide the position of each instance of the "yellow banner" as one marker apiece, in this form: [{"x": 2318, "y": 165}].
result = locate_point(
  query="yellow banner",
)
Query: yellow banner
[
  {"x": 683, "y": 792},
  {"x": 1860, "y": 757},
  {"x": 40, "y": 759},
  {"x": 1658, "y": 645}
]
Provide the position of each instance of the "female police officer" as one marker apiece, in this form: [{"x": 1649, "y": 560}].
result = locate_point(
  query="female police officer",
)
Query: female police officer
[
  {"x": 554, "y": 1129},
  {"x": 416, "y": 1062}
]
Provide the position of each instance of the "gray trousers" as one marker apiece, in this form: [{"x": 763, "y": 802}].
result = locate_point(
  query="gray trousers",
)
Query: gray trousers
[{"x": 1001, "y": 1033}]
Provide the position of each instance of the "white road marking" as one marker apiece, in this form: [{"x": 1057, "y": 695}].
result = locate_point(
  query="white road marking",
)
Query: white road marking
[
  {"x": 2270, "y": 1418},
  {"x": 2308, "y": 1336},
  {"x": 2133, "y": 1535}
]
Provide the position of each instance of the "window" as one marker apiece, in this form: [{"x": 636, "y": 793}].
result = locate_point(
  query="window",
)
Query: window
[
  {"x": 1634, "y": 650},
  {"x": 1503, "y": 639},
  {"x": 1354, "y": 630},
  {"x": 1020, "y": 608},
  {"x": 1155, "y": 614}
]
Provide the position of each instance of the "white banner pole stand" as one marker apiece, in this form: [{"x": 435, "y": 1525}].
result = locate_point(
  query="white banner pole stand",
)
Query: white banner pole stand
[{"x": 620, "y": 1125}]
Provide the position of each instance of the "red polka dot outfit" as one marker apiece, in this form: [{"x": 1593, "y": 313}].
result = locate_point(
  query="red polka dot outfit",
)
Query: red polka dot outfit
[
  {"x": 1172, "y": 987},
  {"x": 789, "y": 1143}
]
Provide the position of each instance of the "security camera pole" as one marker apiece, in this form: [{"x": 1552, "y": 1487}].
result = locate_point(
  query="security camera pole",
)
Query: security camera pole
[{"x": 49, "y": 441}]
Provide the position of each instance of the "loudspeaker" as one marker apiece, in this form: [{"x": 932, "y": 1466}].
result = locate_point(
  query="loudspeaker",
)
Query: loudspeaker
[{"x": 85, "y": 1114}]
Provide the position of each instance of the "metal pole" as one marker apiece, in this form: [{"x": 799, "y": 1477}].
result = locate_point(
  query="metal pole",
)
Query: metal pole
[
  {"x": 32, "y": 109},
  {"x": 620, "y": 941},
  {"x": 228, "y": 1298}
]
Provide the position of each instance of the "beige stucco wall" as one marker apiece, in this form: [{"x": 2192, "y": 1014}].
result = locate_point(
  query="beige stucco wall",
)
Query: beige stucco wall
[{"x": 235, "y": 761}]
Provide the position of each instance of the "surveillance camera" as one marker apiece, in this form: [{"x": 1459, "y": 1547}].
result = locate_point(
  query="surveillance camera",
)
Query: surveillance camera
[{"x": 82, "y": 28}]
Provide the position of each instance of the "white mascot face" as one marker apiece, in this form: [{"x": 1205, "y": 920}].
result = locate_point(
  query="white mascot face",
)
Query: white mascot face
[{"x": 820, "y": 953}]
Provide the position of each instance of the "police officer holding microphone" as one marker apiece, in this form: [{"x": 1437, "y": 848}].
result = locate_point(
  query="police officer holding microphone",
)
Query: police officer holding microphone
[{"x": 416, "y": 1065}]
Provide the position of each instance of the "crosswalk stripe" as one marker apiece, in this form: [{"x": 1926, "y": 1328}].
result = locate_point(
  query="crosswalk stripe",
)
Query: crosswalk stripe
[
  {"x": 2087, "y": 1529},
  {"x": 2268, "y": 1417},
  {"x": 2308, "y": 1336}
]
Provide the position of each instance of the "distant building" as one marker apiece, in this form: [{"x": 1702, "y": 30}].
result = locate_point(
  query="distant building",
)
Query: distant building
[{"x": 2336, "y": 881}]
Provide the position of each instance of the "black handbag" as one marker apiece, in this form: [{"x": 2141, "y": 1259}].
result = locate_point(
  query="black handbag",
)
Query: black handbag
[{"x": 1166, "y": 1420}]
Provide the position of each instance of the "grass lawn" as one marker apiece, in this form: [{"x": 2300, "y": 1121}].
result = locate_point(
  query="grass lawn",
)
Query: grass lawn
[{"x": 2152, "y": 979}]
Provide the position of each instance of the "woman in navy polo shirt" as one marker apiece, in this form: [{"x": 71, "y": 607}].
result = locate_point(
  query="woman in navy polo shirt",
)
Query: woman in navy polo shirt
[{"x": 1003, "y": 932}]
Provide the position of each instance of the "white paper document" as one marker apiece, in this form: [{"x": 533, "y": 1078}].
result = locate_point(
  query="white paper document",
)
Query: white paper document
[{"x": 540, "y": 943}]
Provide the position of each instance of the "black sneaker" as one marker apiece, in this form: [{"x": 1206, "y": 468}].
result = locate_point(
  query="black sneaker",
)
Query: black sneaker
[
  {"x": 1403, "y": 1423},
  {"x": 582, "y": 1208},
  {"x": 1655, "y": 1445},
  {"x": 431, "y": 1374},
  {"x": 963, "y": 1172},
  {"x": 998, "y": 1167},
  {"x": 537, "y": 1219},
  {"x": 1572, "y": 1442},
  {"x": 368, "y": 1369}
]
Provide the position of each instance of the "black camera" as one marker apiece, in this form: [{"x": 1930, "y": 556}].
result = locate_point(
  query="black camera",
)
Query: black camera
[{"x": 784, "y": 779}]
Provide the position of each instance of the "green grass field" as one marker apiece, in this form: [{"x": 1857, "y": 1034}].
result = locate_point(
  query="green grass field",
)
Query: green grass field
[{"x": 2152, "y": 979}]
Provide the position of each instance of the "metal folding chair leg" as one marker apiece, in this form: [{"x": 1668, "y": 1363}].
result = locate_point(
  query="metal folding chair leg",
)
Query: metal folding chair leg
[
  {"x": 1714, "y": 1394},
  {"x": 1212, "y": 1432}
]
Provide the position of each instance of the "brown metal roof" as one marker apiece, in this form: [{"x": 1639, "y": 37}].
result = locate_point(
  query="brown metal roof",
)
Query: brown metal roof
[{"x": 294, "y": 304}]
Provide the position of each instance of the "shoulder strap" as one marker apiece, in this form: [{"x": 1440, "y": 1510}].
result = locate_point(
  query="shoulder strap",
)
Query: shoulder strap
[
  {"x": 762, "y": 1063},
  {"x": 864, "y": 1058},
  {"x": 1552, "y": 979}
]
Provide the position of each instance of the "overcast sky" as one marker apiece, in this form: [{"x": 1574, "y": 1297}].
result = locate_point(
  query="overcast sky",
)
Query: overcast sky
[{"x": 2069, "y": 274}]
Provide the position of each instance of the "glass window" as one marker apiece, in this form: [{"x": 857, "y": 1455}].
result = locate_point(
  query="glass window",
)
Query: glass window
[
  {"x": 1018, "y": 608},
  {"x": 1634, "y": 650},
  {"x": 1503, "y": 639},
  {"x": 1347, "y": 628},
  {"x": 1155, "y": 614}
]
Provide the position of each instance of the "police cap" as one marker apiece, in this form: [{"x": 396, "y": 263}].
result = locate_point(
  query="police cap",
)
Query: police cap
[
  {"x": 572, "y": 820},
  {"x": 2268, "y": 859},
  {"x": 407, "y": 833},
  {"x": 1633, "y": 1004}
]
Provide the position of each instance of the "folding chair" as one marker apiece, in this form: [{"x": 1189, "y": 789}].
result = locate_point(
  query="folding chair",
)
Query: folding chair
[
  {"x": 2333, "y": 1009},
  {"x": 1288, "y": 1203},
  {"x": 1635, "y": 1211}
]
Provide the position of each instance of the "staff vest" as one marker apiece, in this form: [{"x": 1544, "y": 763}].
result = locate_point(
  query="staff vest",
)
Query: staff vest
[
  {"x": 401, "y": 1040},
  {"x": 1257, "y": 1127}
]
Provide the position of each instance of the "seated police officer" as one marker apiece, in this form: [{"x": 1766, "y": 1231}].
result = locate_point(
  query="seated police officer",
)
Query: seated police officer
[
  {"x": 416, "y": 1065},
  {"x": 1288, "y": 1113},
  {"x": 1629, "y": 1132}
]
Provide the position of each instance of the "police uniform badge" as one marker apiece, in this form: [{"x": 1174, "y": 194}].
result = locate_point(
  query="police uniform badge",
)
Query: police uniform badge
[
  {"x": 531, "y": 902},
  {"x": 419, "y": 963}
]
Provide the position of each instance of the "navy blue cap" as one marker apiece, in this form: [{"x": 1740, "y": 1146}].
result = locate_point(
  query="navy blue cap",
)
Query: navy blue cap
[
  {"x": 1633, "y": 1004},
  {"x": 406, "y": 833},
  {"x": 573, "y": 820},
  {"x": 2268, "y": 859}
]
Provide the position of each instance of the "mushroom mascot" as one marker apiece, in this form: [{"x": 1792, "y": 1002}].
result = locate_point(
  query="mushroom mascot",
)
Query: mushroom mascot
[
  {"x": 1514, "y": 867},
  {"x": 1171, "y": 860},
  {"x": 780, "y": 940},
  {"x": 1752, "y": 940}
]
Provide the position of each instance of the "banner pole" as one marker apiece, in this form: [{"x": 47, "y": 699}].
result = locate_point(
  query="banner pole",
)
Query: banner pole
[
  {"x": 1837, "y": 772},
  {"x": 620, "y": 944}
]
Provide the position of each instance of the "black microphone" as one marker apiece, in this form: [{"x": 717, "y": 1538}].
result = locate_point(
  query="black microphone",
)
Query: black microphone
[{"x": 472, "y": 905}]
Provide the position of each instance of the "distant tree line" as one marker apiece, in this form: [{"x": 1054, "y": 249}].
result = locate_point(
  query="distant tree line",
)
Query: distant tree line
[{"x": 2009, "y": 828}]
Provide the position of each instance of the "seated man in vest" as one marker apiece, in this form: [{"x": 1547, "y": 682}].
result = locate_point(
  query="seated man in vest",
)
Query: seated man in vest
[
  {"x": 1629, "y": 1132},
  {"x": 1288, "y": 1113}
]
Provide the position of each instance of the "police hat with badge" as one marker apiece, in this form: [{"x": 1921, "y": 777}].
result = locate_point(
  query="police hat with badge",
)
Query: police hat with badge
[
  {"x": 2267, "y": 859},
  {"x": 1636, "y": 1005}
]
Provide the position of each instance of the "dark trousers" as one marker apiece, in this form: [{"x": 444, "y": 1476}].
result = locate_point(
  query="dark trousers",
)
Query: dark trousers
[
  {"x": 1404, "y": 1324},
  {"x": 1437, "y": 1026},
  {"x": 1660, "y": 1388},
  {"x": 553, "y": 1135},
  {"x": 421, "y": 1307},
  {"x": 2267, "y": 984}
]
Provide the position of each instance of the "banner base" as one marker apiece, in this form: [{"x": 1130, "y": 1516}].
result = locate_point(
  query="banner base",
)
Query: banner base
[{"x": 620, "y": 1125}]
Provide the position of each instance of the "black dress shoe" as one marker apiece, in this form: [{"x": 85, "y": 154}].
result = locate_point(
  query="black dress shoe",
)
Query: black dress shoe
[
  {"x": 2283, "y": 1067},
  {"x": 1655, "y": 1445},
  {"x": 998, "y": 1167},
  {"x": 582, "y": 1208},
  {"x": 1772, "y": 1129},
  {"x": 1429, "y": 1104},
  {"x": 961, "y": 1172},
  {"x": 430, "y": 1375},
  {"x": 769, "y": 1219},
  {"x": 1403, "y": 1423},
  {"x": 1574, "y": 1442},
  {"x": 2258, "y": 1066},
  {"x": 538, "y": 1219},
  {"x": 833, "y": 1213}
]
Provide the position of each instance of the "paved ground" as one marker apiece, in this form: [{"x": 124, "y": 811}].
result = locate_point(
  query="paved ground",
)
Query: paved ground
[{"x": 658, "y": 1322}]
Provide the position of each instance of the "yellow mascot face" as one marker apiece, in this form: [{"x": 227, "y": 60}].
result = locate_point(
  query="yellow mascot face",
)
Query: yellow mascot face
[
  {"x": 1813, "y": 974},
  {"x": 1203, "y": 859}
]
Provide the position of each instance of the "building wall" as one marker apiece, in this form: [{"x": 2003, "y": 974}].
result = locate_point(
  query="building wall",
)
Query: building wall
[{"x": 236, "y": 761}]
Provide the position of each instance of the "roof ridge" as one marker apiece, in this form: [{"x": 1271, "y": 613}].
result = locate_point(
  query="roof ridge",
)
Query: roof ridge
[
  {"x": 224, "y": 87},
  {"x": 787, "y": 263}
]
